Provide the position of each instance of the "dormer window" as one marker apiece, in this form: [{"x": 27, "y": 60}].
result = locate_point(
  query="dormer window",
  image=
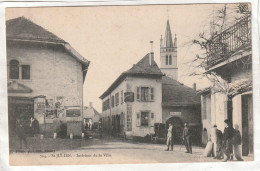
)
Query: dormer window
[{"x": 14, "y": 69}]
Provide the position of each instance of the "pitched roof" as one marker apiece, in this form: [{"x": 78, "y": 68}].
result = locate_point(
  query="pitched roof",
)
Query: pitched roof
[
  {"x": 89, "y": 111},
  {"x": 175, "y": 93},
  {"x": 23, "y": 28},
  {"x": 141, "y": 69}
]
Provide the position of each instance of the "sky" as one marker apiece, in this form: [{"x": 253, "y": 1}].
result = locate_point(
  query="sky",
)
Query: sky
[{"x": 113, "y": 38}]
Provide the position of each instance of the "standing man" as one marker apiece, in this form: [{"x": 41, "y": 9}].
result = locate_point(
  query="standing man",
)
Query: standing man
[
  {"x": 35, "y": 126},
  {"x": 21, "y": 133},
  {"x": 170, "y": 137},
  {"x": 219, "y": 135},
  {"x": 227, "y": 146},
  {"x": 187, "y": 137}
]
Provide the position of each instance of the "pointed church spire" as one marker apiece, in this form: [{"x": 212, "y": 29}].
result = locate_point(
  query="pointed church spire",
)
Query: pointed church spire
[{"x": 168, "y": 36}]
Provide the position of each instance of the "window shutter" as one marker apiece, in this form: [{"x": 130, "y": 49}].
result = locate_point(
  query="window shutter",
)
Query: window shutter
[
  {"x": 138, "y": 119},
  {"x": 151, "y": 93},
  {"x": 137, "y": 93},
  {"x": 152, "y": 119}
]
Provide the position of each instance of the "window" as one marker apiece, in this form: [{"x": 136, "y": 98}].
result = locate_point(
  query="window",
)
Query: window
[
  {"x": 122, "y": 97},
  {"x": 145, "y": 94},
  {"x": 117, "y": 99},
  {"x": 14, "y": 69},
  {"x": 170, "y": 60},
  {"x": 106, "y": 105},
  {"x": 144, "y": 118},
  {"x": 112, "y": 101},
  {"x": 166, "y": 60},
  {"x": 26, "y": 72}
]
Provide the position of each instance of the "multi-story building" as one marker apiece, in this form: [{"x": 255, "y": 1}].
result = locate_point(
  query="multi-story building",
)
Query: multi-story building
[
  {"x": 132, "y": 104},
  {"x": 144, "y": 95},
  {"x": 45, "y": 77},
  {"x": 231, "y": 59}
]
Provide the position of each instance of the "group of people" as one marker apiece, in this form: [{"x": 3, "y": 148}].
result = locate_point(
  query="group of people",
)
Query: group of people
[
  {"x": 21, "y": 130},
  {"x": 224, "y": 143},
  {"x": 186, "y": 137}
]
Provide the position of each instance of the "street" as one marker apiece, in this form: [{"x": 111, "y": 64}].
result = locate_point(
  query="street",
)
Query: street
[{"x": 108, "y": 151}]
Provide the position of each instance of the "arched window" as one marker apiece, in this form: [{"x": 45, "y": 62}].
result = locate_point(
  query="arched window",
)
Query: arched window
[
  {"x": 170, "y": 60},
  {"x": 14, "y": 69},
  {"x": 166, "y": 60}
]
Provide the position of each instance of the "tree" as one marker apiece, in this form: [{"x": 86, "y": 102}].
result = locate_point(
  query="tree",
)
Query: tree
[{"x": 211, "y": 45}]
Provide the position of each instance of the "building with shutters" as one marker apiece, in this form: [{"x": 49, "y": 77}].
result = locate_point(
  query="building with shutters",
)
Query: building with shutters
[
  {"x": 132, "y": 104},
  {"x": 142, "y": 96},
  {"x": 147, "y": 94},
  {"x": 45, "y": 78}
]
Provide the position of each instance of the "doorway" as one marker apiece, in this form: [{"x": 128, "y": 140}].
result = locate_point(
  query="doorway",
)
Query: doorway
[
  {"x": 247, "y": 125},
  {"x": 20, "y": 108},
  {"x": 177, "y": 127}
]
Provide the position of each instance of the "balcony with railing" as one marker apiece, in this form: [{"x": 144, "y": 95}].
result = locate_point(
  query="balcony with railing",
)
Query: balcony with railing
[{"x": 233, "y": 39}]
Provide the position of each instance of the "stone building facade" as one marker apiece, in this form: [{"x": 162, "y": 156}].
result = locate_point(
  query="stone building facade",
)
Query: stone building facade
[{"x": 45, "y": 77}]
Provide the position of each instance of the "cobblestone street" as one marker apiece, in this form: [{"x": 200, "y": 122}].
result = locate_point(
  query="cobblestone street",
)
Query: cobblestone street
[{"x": 107, "y": 151}]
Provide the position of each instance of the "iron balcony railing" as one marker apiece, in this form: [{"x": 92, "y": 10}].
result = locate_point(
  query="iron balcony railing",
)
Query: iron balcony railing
[{"x": 233, "y": 39}]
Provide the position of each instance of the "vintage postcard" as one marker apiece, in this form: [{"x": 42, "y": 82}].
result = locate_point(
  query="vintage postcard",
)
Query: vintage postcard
[{"x": 130, "y": 84}]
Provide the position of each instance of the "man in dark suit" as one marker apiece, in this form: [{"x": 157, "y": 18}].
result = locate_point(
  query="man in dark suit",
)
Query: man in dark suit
[
  {"x": 20, "y": 131},
  {"x": 227, "y": 146},
  {"x": 35, "y": 126},
  {"x": 187, "y": 137}
]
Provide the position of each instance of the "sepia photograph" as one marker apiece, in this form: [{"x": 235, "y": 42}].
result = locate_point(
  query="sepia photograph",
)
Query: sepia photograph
[{"x": 129, "y": 84}]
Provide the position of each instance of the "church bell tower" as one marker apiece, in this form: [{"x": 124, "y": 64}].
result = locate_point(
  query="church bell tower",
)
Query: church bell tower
[{"x": 168, "y": 54}]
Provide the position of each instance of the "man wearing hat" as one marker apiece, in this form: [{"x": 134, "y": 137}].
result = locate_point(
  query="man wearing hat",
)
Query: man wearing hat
[
  {"x": 218, "y": 143},
  {"x": 187, "y": 137},
  {"x": 227, "y": 146},
  {"x": 170, "y": 137}
]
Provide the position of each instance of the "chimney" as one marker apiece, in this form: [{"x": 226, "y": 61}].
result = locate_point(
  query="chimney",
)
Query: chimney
[
  {"x": 90, "y": 105},
  {"x": 194, "y": 86},
  {"x": 151, "y": 58}
]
